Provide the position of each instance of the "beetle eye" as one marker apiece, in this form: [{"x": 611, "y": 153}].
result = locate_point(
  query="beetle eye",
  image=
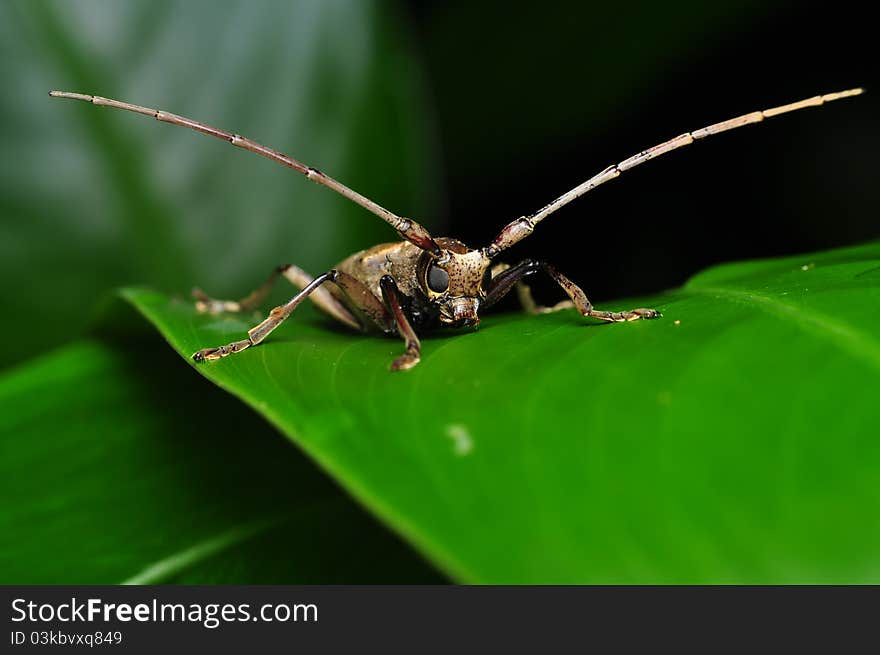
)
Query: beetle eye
[
  {"x": 438, "y": 279},
  {"x": 487, "y": 279}
]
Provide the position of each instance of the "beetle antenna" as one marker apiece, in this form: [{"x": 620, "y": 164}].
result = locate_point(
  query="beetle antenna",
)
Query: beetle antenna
[
  {"x": 522, "y": 227},
  {"x": 406, "y": 228}
]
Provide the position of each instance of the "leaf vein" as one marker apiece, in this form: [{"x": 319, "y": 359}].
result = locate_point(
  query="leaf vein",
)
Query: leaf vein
[{"x": 843, "y": 335}]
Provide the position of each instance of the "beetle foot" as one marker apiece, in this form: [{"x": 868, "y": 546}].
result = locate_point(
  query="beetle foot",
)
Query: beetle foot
[
  {"x": 643, "y": 312},
  {"x": 631, "y": 315},
  {"x": 405, "y": 362},
  {"x": 211, "y": 354}
]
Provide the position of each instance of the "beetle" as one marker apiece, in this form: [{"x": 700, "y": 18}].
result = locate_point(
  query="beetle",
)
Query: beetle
[{"x": 410, "y": 286}]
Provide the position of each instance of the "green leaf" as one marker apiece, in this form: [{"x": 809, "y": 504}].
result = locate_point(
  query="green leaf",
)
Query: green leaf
[
  {"x": 92, "y": 198},
  {"x": 734, "y": 440},
  {"x": 117, "y": 465}
]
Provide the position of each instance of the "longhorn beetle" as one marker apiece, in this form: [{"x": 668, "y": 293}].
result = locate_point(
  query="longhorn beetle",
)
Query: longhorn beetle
[{"x": 405, "y": 287}]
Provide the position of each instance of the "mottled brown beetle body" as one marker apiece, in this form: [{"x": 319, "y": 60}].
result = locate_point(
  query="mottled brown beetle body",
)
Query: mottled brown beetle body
[
  {"x": 408, "y": 265},
  {"x": 399, "y": 288},
  {"x": 401, "y": 260}
]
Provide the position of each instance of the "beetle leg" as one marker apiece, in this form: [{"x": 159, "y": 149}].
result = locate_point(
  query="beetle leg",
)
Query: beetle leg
[
  {"x": 528, "y": 303},
  {"x": 585, "y": 307},
  {"x": 207, "y": 305},
  {"x": 322, "y": 297},
  {"x": 524, "y": 294},
  {"x": 577, "y": 298},
  {"x": 411, "y": 357},
  {"x": 362, "y": 298},
  {"x": 297, "y": 277},
  {"x": 259, "y": 332}
]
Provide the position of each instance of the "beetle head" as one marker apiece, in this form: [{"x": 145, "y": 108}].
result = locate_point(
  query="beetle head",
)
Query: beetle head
[{"x": 456, "y": 282}]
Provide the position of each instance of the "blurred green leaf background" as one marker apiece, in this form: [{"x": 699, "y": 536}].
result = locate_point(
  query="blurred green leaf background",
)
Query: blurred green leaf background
[
  {"x": 94, "y": 199},
  {"x": 457, "y": 114}
]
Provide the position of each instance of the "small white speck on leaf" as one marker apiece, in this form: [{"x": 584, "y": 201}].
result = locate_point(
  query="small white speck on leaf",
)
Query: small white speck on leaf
[
  {"x": 807, "y": 267},
  {"x": 677, "y": 322},
  {"x": 462, "y": 443}
]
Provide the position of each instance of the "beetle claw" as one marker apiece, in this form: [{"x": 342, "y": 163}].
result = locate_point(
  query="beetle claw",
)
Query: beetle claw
[{"x": 405, "y": 362}]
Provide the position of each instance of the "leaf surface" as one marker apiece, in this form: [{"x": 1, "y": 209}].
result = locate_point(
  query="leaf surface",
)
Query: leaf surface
[
  {"x": 734, "y": 440},
  {"x": 118, "y": 465}
]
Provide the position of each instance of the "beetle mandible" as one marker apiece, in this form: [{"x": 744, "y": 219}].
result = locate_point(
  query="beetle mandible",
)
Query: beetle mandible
[{"x": 411, "y": 285}]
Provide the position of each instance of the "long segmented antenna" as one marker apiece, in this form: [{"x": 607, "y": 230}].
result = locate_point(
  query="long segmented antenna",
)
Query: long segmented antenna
[
  {"x": 522, "y": 227},
  {"x": 406, "y": 228}
]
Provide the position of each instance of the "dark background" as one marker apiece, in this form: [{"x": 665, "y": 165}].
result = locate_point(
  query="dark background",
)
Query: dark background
[{"x": 532, "y": 99}]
